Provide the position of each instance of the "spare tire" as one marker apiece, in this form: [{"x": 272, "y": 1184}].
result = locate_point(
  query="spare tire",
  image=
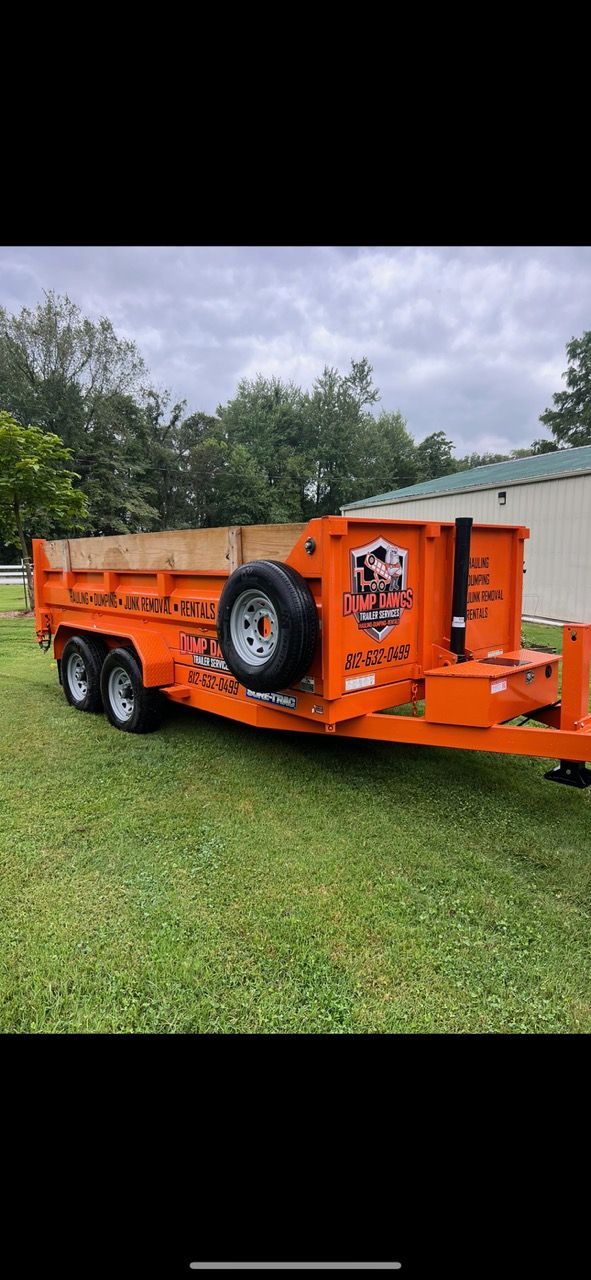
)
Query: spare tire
[{"x": 267, "y": 625}]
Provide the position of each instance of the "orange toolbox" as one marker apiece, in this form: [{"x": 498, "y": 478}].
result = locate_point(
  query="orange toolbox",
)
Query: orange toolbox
[
  {"x": 391, "y": 630},
  {"x": 491, "y": 690}
]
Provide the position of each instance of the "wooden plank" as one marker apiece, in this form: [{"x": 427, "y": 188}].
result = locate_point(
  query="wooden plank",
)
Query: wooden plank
[
  {"x": 66, "y": 557},
  {"x": 269, "y": 541},
  {"x": 178, "y": 549},
  {"x": 165, "y": 552},
  {"x": 234, "y": 552}
]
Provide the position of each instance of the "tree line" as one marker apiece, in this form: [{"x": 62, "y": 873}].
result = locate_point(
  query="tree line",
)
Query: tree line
[{"x": 272, "y": 453}]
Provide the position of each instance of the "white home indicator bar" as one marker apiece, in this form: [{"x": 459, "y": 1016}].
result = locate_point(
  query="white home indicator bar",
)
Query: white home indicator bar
[{"x": 295, "y": 1266}]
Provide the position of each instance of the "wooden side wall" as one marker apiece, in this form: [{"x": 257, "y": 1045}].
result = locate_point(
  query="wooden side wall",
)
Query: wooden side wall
[{"x": 179, "y": 549}]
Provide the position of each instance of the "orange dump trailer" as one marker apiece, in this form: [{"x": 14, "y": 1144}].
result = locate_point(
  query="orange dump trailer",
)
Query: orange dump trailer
[{"x": 321, "y": 628}]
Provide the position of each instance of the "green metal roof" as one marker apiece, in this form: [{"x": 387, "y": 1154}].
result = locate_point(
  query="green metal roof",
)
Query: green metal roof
[{"x": 540, "y": 466}]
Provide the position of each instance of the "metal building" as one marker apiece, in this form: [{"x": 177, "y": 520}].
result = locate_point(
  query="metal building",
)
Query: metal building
[{"x": 549, "y": 492}]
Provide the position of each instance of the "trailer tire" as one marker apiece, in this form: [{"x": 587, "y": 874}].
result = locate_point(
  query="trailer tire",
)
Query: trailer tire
[
  {"x": 80, "y": 672},
  {"x": 267, "y": 625},
  {"x": 129, "y": 706}
]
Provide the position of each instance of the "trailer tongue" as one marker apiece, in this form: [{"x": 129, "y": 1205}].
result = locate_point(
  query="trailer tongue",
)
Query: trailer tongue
[{"x": 336, "y": 626}]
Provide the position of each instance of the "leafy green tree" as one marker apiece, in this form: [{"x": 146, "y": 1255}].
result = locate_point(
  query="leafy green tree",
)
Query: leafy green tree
[
  {"x": 206, "y": 464},
  {"x": 359, "y": 382},
  {"x": 162, "y": 454},
  {"x": 243, "y": 492},
  {"x": 570, "y": 420},
  {"x": 389, "y": 455},
  {"x": 36, "y": 489},
  {"x": 543, "y": 446},
  {"x": 434, "y": 456},
  {"x": 116, "y": 469},
  {"x": 197, "y": 443},
  {"x": 77, "y": 379},
  {"x": 337, "y": 435},
  {"x": 472, "y": 460},
  {"x": 56, "y": 365},
  {"x": 268, "y": 419}
]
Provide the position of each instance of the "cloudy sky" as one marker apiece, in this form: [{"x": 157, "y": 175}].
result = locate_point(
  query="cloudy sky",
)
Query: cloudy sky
[{"x": 470, "y": 341}]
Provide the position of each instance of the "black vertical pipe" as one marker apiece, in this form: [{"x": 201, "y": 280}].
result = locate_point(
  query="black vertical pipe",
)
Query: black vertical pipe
[{"x": 460, "y": 587}]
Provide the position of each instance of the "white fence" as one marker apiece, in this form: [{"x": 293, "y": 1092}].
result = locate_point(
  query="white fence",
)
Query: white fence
[{"x": 14, "y": 575}]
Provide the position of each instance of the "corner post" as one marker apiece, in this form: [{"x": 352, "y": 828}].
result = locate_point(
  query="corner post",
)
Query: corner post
[{"x": 576, "y": 664}]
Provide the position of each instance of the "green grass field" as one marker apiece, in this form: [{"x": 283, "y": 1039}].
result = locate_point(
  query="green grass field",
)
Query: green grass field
[
  {"x": 212, "y": 878},
  {"x": 12, "y": 597}
]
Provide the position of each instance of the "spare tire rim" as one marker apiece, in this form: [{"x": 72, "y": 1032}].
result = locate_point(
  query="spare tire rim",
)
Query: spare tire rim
[
  {"x": 254, "y": 627},
  {"x": 121, "y": 693},
  {"x": 77, "y": 677}
]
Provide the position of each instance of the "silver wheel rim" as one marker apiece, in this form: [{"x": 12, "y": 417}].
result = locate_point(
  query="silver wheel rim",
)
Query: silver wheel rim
[
  {"x": 254, "y": 627},
  {"x": 77, "y": 677},
  {"x": 120, "y": 691}
]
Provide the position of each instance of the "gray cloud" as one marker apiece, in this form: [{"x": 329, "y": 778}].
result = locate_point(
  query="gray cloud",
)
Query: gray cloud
[{"x": 466, "y": 340}]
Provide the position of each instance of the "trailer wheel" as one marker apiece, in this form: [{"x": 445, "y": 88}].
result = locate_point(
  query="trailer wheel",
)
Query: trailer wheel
[
  {"x": 129, "y": 706},
  {"x": 80, "y": 668},
  {"x": 267, "y": 625}
]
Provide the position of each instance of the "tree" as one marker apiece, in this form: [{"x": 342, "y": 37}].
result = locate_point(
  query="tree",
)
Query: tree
[
  {"x": 389, "y": 455},
  {"x": 56, "y": 365},
  {"x": 35, "y": 486},
  {"x": 162, "y": 454},
  {"x": 116, "y": 469},
  {"x": 77, "y": 379},
  {"x": 268, "y": 419},
  {"x": 339, "y": 435},
  {"x": 434, "y": 456},
  {"x": 192, "y": 494},
  {"x": 242, "y": 495},
  {"x": 206, "y": 463},
  {"x": 570, "y": 420},
  {"x": 359, "y": 382},
  {"x": 472, "y": 460},
  {"x": 543, "y": 446}
]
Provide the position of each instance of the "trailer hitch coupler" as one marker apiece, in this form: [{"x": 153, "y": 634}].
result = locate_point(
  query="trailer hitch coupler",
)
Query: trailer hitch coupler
[{"x": 460, "y": 587}]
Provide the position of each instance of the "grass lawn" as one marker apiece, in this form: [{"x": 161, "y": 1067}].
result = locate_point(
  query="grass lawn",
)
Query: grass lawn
[
  {"x": 215, "y": 878},
  {"x": 12, "y": 597}
]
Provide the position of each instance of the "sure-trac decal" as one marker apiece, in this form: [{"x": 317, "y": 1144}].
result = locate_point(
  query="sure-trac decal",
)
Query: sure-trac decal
[
  {"x": 379, "y": 592},
  {"x": 276, "y": 699}
]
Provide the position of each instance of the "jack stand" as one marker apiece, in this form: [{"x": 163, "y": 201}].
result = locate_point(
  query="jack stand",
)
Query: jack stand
[{"x": 571, "y": 772}]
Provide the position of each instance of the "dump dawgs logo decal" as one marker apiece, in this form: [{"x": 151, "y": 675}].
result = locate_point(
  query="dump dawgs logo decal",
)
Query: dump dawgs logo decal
[{"x": 379, "y": 592}]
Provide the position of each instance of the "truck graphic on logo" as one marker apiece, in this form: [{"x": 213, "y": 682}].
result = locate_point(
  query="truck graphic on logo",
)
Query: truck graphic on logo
[
  {"x": 379, "y": 587},
  {"x": 385, "y": 573}
]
